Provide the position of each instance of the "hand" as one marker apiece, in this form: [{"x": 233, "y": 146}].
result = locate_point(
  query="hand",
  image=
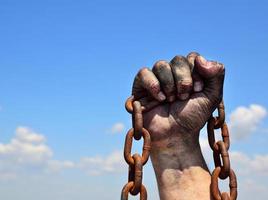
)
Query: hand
[{"x": 189, "y": 90}]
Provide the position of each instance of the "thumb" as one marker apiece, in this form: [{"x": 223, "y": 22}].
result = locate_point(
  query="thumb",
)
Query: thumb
[{"x": 213, "y": 76}]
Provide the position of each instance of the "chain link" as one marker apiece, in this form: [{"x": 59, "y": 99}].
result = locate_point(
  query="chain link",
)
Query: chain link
[
  {"x": 136, "y": 161},
  {"x": 221, "y": 157}
]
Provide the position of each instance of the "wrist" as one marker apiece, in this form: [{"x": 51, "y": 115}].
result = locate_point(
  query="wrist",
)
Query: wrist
[
  {"x": 177, "y": 151},
  {"x": 180, "y": 169}
]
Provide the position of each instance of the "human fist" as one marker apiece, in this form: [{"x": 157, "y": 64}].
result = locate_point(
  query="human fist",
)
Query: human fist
[
  {"x": 187, "y": 89},
  {"x": 178, "y": 98}
]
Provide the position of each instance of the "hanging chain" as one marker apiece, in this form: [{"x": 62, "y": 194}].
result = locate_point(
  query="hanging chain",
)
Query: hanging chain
[
  {"x": 136, "y": 161},
  {"x": 221, "y": 157}
]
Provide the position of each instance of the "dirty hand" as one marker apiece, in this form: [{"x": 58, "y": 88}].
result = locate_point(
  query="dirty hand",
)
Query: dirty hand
[{"x": 189, "y": 89}]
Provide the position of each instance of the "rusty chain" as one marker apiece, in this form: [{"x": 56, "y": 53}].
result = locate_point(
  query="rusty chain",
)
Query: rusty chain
[
  {"x": 136, "y": 162},
  {"x": 221, "y": 157}
]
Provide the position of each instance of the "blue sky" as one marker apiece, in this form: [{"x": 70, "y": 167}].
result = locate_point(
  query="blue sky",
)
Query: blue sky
[{"x": 67, "y": 68}]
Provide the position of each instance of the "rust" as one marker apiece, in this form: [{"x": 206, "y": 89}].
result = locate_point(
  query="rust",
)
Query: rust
[
  {"x": 217, "y": 195},
  {"x": 211, "y": 135},
  {"x": 224, "y": 162},
  {"x": 128, "y": 146},
  {"x": 135, "y": 162},
  {"x": 126, "y": 190},
  {"x": 221, "y": 157},
  {"x": 136, "y": 174},
  {"x": 128, "y": 104},
  {"x": 221, "y": 116},
  {"x": 137, "y": 120}
]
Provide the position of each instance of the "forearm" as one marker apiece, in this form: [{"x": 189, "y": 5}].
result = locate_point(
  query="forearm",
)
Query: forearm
[{"x": 180, "y": 169}]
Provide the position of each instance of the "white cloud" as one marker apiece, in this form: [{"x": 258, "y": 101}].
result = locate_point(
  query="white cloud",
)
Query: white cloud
[
  {"x": 246, "y": 165},
  {"x": 28, "y": 151},
  {"x": 97, "y": 165},
  {"x": 245, "y": 120},
  {"x": 56, "y": 165},
  {"x": 27, "y": 147},
  {"x": 117, "y": 128},
  {"x": 29, "y": 136}
]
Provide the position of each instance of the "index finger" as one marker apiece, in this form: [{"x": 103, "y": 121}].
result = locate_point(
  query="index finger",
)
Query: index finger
[{"x": 146, "y": 83}]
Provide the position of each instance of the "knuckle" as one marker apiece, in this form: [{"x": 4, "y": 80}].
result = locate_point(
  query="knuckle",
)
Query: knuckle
[
  {"x": 191, "y": 58},
  {"x": 160, "y": 64},
  {"x": 193, "y": 54},
  {"x": 219, "y": 68},
  {"x": 177, "y": 60},
  {"x": 178, "y": 57},
  {"x": 143, "y": 71},
  {"x": 222, "y": 68}
]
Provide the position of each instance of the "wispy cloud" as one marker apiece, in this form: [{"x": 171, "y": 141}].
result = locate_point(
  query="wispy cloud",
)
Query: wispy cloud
[
  {"x": 117, "y": 128},
  {"x": 97, "y": 165},
  {"x": 27, "y": 147},
  {"x": 246, "y": 165},
  {"x": 57, "y": 166},
  {"x": 245, "y": 120},
  {"x": 27, "y": 152}
]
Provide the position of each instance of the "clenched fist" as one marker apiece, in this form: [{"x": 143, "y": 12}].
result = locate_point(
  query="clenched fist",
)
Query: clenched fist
[{"x": 188, "y": 90}]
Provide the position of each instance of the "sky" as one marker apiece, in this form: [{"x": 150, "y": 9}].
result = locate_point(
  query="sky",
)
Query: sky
[{"x": 67, "y": 67}]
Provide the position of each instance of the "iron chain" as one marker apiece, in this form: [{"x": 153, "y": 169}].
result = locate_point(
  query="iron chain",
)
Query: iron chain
[
  {"x": 221, "y": 157},
  {"x": 136, "y": 161}
]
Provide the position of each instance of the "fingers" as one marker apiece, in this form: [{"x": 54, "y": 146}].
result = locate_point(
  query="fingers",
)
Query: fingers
[
  {"x": 163, "y": 72},
  {"x": 191, "y": 58},
  {"x": 146, "y": 81},
  {"x": 208, "y": 69},
  {"x": 213, "y": 74},
  {"x": 182, "y": 76},
  {"x": 197, "y": 80},
  {"x": 179, "y": 78}
]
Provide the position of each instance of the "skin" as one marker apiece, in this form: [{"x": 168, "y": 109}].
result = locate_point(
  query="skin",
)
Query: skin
[{"x": 189, "y": 89}]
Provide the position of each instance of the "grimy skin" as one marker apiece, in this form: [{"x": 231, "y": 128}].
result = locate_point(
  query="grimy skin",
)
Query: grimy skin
[{"x": 190, "y": 89}]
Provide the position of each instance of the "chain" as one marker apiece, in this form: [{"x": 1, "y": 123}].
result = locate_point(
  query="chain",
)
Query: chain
[
  {"x": 221, "y": 157},
  {"x": 136, "y": 161}
]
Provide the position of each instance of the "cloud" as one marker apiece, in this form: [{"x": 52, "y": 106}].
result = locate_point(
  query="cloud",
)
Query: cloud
[
  {"x": 246, "y": 165},
  {"x": 27, "y": 147},
  {"x": 57, "y": 166},
  {"x": 27, "y": 152},
  {"x": 245, "y": 120},
  {"x": 97, "y": 165},
  {"x": 29, "y": 136},
  {"x": 117, "y": 128}
]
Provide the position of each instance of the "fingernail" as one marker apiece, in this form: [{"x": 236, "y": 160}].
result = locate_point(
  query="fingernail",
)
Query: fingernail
[
  {"x": 202, "y": 60},
  {"x": 161, "y": 96},
  {"x": 183, "y": 96},
  {"x": 198, "y": 86}
]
